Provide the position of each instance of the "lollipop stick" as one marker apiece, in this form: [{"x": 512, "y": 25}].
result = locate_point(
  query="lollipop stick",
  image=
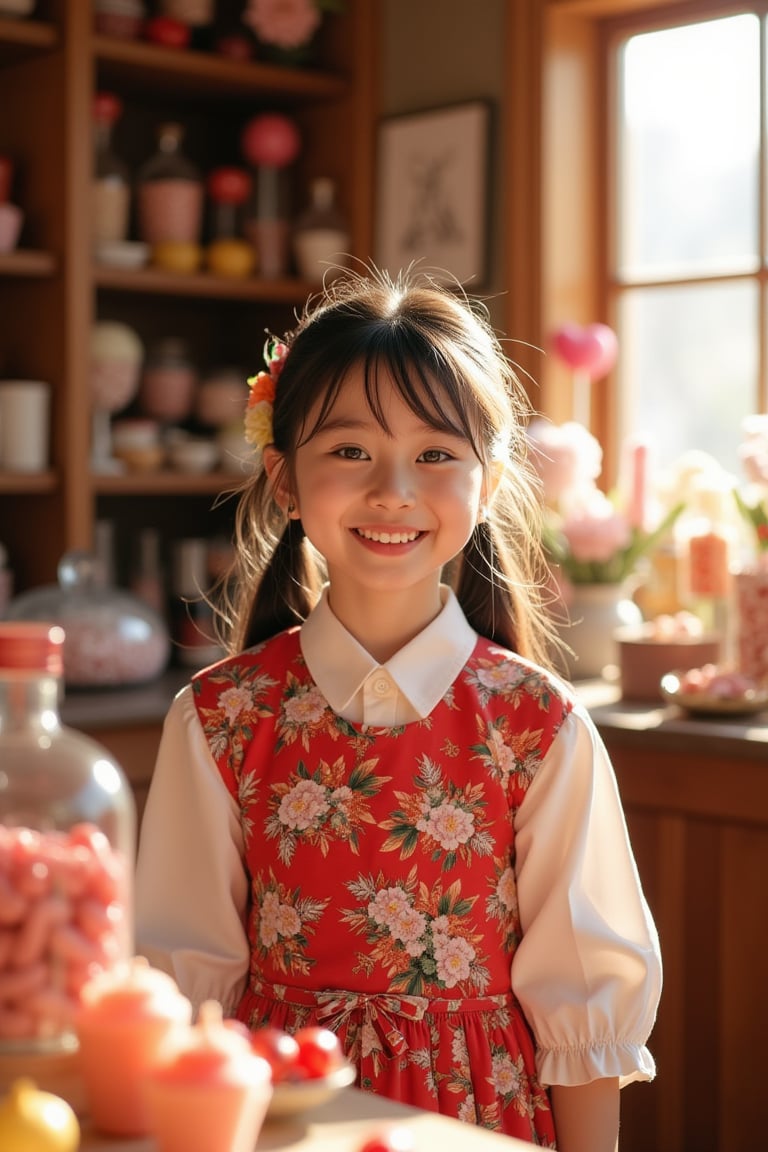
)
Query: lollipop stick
[{"x": 582, "y": 397}]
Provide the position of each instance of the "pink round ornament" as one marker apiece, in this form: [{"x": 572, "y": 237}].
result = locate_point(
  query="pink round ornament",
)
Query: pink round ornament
[
  {"x": 270, "y": 139},
  {"x": 591, "y": 349}
]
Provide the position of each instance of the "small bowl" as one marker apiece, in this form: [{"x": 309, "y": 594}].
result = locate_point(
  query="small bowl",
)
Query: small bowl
[
  {"x": 193, "y": 455},
  {"x": 123, "y": 254},
  {"x": 705, "y": 703},
  {"x": 11, "y": 221},
  {"x": 291, "y": 1098}
]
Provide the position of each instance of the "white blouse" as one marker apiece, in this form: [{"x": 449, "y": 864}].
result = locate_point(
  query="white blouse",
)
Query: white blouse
[{"x": 588, "y": 970}]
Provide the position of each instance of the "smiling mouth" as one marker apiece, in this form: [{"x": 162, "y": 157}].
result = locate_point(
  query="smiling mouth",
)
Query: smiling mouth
[{"x": 388, "y": 537}]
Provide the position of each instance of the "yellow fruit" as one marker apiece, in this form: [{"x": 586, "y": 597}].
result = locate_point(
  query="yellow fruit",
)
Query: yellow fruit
[
  {"x": 35, "y": 1121},
  {"x": 231, "y": 257},
  {"x": 175, "y": 256}
]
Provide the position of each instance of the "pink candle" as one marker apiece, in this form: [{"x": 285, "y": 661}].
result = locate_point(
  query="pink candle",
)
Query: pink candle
[
  {"x": 126, "y": 1020},
  {"x": 708, "y": 555},
  {"x": 212, "y": 1093},
  {"x": 638, "y": 492}
]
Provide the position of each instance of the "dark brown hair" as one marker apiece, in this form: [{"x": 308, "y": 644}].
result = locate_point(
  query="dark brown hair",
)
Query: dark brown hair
[{"x": 438, "y": 349}]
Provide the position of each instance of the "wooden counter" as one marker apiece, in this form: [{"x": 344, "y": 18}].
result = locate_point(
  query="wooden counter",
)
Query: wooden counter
[
  {"x": 696, "y": 796},
  {"x": 343, "y": 1124}
]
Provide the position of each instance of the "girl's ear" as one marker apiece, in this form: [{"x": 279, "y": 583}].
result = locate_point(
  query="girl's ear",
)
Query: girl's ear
[{"x": 275, "y": 468}]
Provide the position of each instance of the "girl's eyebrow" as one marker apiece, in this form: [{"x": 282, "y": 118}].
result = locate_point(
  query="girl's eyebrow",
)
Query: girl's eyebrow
[{"x": 352, "y": 424}]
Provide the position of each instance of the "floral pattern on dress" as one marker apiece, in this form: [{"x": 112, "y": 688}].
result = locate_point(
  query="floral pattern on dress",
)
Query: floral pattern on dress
[
  {"x": 329, "y": 804},
  {"x": 501, "y": 905},
  {"x": 304, "y": 715},
  {"x": 239, "y": 707},
  {"x": 284, "y": 923},
  {"x": 441, "y": 817},
  {"x": 504, "y": 751},
  {"x": 420, "y": 936}
]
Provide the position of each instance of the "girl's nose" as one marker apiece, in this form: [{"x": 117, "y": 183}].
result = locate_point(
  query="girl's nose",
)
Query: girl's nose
[{"x": 391, "y": 487}]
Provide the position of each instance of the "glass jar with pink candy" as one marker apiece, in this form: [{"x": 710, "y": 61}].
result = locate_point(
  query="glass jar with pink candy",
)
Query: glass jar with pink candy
[{"x": 67, "y": 830}]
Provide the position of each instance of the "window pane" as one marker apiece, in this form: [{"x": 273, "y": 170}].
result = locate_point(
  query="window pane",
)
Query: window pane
[
  {"x": 688, "y": 147},
  {"x": 688, "y": 365}
]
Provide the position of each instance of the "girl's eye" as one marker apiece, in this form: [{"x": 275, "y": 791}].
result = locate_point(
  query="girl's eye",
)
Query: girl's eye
[
  {"x": 434, "y": 456},
  {"x": 351, "y": 453}
]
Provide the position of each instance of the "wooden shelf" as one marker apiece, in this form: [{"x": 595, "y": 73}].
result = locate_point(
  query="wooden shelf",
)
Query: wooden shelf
[
  {"x": 164, "y": 483},
  {"x": 201, "y": 284},
  {"x": 32, "y": 483},
  {"x": 148, "y": 68},
  {"x": 19, "y": 38},
  {"x": 27, "y": 262}
]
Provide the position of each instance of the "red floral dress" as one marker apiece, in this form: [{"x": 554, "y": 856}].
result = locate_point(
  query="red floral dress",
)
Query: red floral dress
[{"x": 383, "y": 899}]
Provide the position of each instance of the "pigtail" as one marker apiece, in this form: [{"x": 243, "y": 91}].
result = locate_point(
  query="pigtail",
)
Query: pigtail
[
  {"x": 499, "y": 588},
  {"x": 287, "y": 591}
]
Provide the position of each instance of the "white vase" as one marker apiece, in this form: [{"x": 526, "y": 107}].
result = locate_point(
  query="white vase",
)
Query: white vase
[{"x": 595, "y": 611}]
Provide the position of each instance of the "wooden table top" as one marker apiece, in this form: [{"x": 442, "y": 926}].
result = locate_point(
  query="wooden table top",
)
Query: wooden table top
[{"x": 342, "y": 1125}]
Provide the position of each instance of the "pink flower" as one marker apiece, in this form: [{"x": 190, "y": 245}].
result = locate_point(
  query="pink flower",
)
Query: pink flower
[
  {"x": 566, "y": 457},
  {"x": 286, "y": 23},
  {"x": 596, "y": 531}
]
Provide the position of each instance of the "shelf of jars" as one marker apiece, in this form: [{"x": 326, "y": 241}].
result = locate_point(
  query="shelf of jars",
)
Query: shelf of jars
[
  {"x": 27, "y": 262},
  {"x": 19, "y": 38},
  {"x": 148, "y": 68}
]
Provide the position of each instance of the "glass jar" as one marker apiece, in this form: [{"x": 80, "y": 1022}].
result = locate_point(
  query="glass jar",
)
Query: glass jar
[
  {"x": 170, "y": 192},
  {"x": 268, "y": 219},
  {"x": 111, "y": 178},
  {"x": 67, "y": 839},
  {"x": 168, "y": 382},
  {"x": 228, "y": 253},
  {"x": 113, "y": 639},
  {"x": 321, "y": 238}
]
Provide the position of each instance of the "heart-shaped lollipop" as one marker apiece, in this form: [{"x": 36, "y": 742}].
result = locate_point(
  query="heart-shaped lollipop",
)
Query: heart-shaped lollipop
[{"x": 590, "y": 350}]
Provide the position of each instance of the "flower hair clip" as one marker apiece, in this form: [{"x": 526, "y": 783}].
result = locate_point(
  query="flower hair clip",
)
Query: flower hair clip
[{"x": 261, "y": 395}]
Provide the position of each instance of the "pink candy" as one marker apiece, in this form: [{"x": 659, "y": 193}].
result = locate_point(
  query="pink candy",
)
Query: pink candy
[
  {"x": 712, "y": 681},
  {"x": 61, "y": 922}
]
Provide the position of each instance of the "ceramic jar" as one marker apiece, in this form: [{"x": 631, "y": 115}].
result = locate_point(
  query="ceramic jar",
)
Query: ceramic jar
[{"x": 595, "y": 612}]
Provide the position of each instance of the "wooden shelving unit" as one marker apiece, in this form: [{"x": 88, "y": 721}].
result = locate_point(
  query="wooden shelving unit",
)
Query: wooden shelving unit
[{"x": 52, "y": 291}]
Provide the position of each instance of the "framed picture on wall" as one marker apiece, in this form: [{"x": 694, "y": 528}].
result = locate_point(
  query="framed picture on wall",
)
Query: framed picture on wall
[{"x": 432, "y": 192}]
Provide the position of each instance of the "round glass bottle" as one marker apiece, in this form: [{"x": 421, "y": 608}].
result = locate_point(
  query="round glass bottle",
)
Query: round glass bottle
[
  {"x": 111, "y": 178},
  {"x": 170, "y": 192},
  {"x": 66, "y": 851},
  {"x": 321, "y": 238}
]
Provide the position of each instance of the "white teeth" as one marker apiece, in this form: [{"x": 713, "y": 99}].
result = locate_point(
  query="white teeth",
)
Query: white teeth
[{"x": 387, "y": 537}]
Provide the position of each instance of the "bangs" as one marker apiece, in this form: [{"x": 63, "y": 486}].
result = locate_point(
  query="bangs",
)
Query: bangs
[{"x": 434, "y": 392}]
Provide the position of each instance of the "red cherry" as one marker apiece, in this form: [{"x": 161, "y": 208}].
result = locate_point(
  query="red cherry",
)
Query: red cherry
[
  {"x": 229, "y": 185},
  {"x": 395, "y": 1139},
  {"x": 168, "y": 32},
  {"x": 319, "y": 1051},
  {"x": 279, "y": 1049},
  {"x": 107, "y": 108}
]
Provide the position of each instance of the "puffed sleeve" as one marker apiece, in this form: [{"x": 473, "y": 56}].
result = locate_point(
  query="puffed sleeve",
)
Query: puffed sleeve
[
  {"x": 191, "y": 883},
  {"x": 588, "y": 970}
]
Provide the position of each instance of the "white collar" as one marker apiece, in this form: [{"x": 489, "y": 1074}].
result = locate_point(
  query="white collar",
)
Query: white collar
[{"x": 423, "y": 670}]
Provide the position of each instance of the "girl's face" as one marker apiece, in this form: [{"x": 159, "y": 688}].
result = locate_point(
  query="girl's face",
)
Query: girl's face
[{"x": 386, "y": 509}]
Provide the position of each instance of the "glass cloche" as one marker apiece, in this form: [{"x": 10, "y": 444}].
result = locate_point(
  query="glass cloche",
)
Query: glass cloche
[{"x": 111, "y": 637}]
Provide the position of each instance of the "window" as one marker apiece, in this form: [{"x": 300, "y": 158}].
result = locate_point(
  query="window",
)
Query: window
[{"x": 687, "y": 269}]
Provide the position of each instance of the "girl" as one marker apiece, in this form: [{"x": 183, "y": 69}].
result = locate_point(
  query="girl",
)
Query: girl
[{"x": 380, "y": 814}]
